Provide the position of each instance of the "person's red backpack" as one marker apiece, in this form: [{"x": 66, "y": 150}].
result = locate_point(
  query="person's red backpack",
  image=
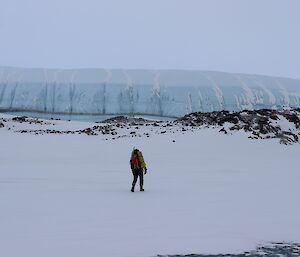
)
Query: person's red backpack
[{"x": 134, "y": 161}]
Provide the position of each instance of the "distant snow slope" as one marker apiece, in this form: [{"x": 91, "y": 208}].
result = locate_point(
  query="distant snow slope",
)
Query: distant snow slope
[
  {"x": 68, "y": 195},
  {"x": 155, "y": 92}
]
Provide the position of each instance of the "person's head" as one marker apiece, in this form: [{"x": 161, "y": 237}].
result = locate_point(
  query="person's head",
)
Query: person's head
[{"x": 135, "y": 150}]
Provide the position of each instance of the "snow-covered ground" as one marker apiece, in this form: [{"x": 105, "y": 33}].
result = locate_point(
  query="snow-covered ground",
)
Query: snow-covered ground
[{"x": 68, "y": 195}]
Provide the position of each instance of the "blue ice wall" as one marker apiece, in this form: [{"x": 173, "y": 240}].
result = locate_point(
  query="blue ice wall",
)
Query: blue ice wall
[{"x": 153, "y": 92}]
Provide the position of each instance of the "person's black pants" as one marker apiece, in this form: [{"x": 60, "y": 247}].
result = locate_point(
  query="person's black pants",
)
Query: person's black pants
[{"x": 138, "y": 173}]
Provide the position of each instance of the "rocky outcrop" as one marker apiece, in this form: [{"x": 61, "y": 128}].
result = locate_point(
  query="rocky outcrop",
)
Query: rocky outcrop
[
  {"x": 264, "y": 123},
  {"x": 258, "y": 124},
  {"x": 271, "y": 250}
]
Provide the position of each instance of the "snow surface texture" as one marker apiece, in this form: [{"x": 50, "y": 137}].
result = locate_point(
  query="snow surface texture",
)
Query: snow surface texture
[
  {"x": 172, "y": 93},
  {"x": 68, "y": 195}
]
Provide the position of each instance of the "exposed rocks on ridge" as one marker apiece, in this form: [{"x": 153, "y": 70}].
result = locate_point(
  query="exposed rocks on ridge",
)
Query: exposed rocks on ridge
[{"x": 257, "y": 124}]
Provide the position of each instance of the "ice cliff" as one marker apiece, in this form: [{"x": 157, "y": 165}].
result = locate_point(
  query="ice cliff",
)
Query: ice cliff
[{"x": 153, "y": 92}]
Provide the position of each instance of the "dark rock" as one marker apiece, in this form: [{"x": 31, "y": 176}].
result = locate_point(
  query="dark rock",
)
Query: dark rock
[
  {"x": 126, "y": 119},
  {"x": 223, "y": 130},
  {"x": 20, "y": 118}
]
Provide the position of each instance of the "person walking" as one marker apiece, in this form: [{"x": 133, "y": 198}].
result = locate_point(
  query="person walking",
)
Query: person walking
[{"x": 138, "y": 167}]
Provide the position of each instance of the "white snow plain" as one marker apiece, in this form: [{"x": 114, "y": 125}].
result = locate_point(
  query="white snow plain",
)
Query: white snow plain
[{"x": 69, "y": 195}]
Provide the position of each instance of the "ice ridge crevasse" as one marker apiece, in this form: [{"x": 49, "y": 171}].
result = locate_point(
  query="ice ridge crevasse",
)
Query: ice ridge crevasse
[{"x": 152, "y": 92}]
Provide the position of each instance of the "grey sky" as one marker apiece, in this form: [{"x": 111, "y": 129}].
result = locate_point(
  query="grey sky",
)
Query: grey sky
[{"x": 254, "y": 36}]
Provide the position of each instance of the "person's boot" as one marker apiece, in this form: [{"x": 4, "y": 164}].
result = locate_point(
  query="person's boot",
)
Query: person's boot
[
  {"x": 132, "y": 188},
  {"x": 141, "y": 188}
]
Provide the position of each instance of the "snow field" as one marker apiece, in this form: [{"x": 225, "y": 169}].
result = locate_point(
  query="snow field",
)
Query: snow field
[{"x": 69, "y": 195}]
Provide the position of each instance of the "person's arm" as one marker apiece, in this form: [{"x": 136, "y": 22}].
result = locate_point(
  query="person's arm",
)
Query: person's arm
[{"x": 131, "y": 164}]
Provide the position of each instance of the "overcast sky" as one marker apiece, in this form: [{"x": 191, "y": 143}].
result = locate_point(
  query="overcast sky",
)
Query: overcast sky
[{"x": 249, "y": 36}]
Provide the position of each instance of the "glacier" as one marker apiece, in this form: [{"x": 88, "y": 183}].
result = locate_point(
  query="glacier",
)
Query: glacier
[{"x": 164, "y": 93}]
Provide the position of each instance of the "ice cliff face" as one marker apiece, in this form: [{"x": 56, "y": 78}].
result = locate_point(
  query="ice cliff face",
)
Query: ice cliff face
[{"x": 154, "y": 92}]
